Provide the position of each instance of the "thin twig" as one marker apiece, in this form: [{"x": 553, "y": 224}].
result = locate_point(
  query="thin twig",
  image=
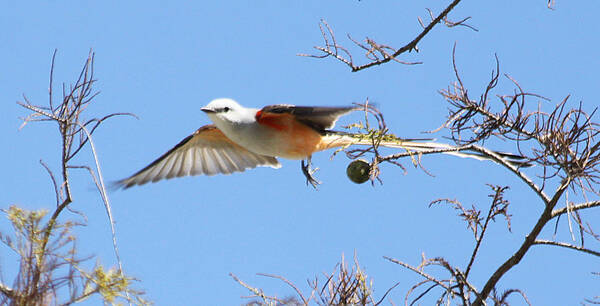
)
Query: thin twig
[
  {"x": 257, "y": 292},
  {"x": 289, "y": 284},
  {"x": 423, "y": 274},
  {"x": 102, "y": 189},
  {"x": 576, "y": 207},
  {"x": 567, "y": 245},
  {"x": 53, "y": 179}
]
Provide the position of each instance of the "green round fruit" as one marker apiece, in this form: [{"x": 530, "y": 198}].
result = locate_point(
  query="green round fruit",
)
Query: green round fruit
[{"x": 358, "y": 171}]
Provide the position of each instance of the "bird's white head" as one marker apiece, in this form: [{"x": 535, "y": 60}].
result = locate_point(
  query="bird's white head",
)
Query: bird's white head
[{"x": 227, "y": 111}]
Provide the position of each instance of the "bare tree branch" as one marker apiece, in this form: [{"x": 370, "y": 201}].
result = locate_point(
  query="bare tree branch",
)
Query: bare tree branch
[
  {"x": 257, "y": 292},
  {"x": 567, "y": 245},
  {"x": 498, "y": 206},
  {"x": 448, "y": 22},
  {"x": 379, "y": 53},
  {"x": 575, "y": 207},
  {"x": 43, "y": 253},
  {"x": 289, "y": 283},
  {"x": 529, "y": 241},
  {"x": 418, "y": 271}
]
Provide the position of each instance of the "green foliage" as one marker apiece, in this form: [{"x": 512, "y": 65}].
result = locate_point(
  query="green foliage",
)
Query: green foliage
[{"x": 49, "y": 266}]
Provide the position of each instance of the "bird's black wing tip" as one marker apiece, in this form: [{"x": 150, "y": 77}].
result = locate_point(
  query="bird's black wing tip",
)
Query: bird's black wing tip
[{"x": 120, "y": 185}]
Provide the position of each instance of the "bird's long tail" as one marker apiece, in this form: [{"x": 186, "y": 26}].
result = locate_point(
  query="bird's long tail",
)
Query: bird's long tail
[{"x": 337, "y": 139}]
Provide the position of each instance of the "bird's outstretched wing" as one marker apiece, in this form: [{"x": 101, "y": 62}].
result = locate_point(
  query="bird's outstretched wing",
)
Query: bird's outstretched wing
[
  {"x": 207, "y": 151},
  {"x": 317, "y": 117}
]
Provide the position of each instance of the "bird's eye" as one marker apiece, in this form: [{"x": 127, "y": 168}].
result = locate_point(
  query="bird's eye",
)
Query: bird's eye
[{"x": 226, "y": 109}]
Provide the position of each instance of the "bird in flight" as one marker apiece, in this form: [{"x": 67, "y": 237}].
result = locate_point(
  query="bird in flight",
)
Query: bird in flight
[{"x": 242, "y": 138}]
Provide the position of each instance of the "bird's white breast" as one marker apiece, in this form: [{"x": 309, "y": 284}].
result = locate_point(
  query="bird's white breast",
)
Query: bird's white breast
[{"x": 254, "y": 137}]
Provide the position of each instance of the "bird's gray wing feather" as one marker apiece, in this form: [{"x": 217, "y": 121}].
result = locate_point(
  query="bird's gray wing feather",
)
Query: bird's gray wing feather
[{"x": 206, "y": 152}]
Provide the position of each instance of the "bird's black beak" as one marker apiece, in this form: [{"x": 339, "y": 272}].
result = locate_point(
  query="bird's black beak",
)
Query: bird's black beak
[{"x": 208, "y": 110}]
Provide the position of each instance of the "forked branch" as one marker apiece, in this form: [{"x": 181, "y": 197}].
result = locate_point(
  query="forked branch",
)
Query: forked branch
[{"x": 377, "y": 53}]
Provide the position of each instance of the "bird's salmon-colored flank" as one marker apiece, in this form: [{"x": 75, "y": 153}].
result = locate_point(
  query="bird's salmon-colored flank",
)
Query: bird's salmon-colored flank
[{"x": 303, "y": 140}]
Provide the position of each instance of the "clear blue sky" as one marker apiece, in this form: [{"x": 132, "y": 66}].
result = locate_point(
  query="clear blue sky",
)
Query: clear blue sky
[{"x": 163, "y": 60}]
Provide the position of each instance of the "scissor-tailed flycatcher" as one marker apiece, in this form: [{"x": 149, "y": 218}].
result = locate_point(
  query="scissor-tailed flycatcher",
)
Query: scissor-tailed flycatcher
[{"x": 242, "y": 138}]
